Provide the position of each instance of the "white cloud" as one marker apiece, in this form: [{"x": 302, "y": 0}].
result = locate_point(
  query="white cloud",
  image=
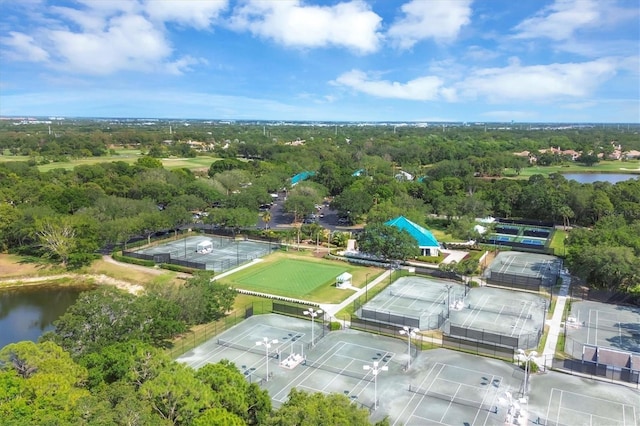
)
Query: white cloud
[
  {"x": 420, "y": 89},
  {"x": 198, "y": 14},
  {"x": 440, "y": 20},
  {"x": 24, "y": 46},
  {"x": 560, "y": 20},
  {"x": 537, "y": 82},
  {"x": 105, "y": 37},
  {"x": 129, "y": 42},
  {"x": 513, "y": 83},
  {"x": 351, "y": 24}
]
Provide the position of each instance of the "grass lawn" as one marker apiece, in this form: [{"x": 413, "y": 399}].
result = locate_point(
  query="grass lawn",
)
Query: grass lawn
[
  {"x": 129, "y": 156},
  {"x": 601, "y": 167},
  {"x": 301, "y": 275},
  {"x": 290, "y": 277}
]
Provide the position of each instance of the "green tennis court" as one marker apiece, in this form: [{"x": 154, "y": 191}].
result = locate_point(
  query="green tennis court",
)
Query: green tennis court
[{"x": 288, "y": 277}]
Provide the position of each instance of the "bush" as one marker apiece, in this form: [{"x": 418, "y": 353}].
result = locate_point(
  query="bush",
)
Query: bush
[
  {"x": 178, "y": 268},
  {"x": 334, "y": 326},
  {"x": 133, "y": 260},
  {"x": 533, "y": 367},
  {"x": 473, "y": 284},
  {"x": 431, "y": 259}
]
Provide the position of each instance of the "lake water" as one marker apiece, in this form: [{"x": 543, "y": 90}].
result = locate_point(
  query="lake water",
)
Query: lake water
[
  {"x": 27, "y": 313},
  {"x": 600, "y": 177}
]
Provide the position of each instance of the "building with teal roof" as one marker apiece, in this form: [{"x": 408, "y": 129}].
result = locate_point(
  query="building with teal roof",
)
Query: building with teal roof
[
  {"x": 300, "y": 177},
  {"x": 427, "y": 243}
]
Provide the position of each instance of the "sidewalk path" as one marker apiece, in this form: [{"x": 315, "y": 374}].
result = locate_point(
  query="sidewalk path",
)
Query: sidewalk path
[
  {"x": 332, "y": 309},
  {"x": 555, "y": 325}
]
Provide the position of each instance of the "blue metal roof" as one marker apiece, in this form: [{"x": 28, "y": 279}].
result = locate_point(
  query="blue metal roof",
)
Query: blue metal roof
[
  {"x": 423, "y": 236},
  {"x": 301, "y": 176}
]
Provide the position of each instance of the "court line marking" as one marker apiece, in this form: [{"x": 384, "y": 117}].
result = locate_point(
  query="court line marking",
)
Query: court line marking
[
  {"x": 326, "y": 357},
  {"x": 215, "y": 350},
  {"x": 584, "y": 396},
  {"x": 437, "y": 377}
]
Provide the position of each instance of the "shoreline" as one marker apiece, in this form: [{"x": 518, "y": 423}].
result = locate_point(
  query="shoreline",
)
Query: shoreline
[{"x": 98, "y": 279}]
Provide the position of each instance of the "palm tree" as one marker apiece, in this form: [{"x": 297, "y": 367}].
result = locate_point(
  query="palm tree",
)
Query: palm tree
[{"x": 266, "y": 218}]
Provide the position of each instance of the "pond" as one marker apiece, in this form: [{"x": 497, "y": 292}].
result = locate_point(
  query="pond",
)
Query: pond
[
  {"x": 28, "y": 312},
  {"x": 600, "y": 177}
]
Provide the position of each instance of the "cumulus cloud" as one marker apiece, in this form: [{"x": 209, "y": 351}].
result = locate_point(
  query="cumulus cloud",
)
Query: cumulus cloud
[
  {"x": 513, "y": 83},
  {"x": 537, "y": 82},
  {"x": 420, "y": 89},
  {"x": 352, "y": 25},
  {"x": 108, "y": 36},
  {"x": 560, "y": 20},
  {"x": 198, "y": 14},
  {"x": 24, "y": 46},
  {"x": 440, "y": 20},
  {"x": 112, "y": 49}
]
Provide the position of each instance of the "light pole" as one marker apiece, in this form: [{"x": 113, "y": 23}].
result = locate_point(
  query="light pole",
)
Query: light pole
[
  {"x": 527, "y": 358},
  {"x": 375, "y": 369},
  {"x": 449, "y": 287},
  {"x": 410, "y": 332},
  {"x": 267, "y": 344},
  {"x": 312, "y": 313},
  {"x": 366, "y": 288}
]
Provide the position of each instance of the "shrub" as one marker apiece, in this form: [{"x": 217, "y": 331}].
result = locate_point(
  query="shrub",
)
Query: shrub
[
  {"x": 133, "y": 260},
  {"x": 473, "y": 284},
  {"x": 178, "y": 268},
  {"x": 334, "y": 326}
]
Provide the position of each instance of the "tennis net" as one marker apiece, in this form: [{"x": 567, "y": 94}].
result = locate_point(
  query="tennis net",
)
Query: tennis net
[
  {"x": 436, "y": 299},
  {"x": 360, "y": 375},
  {"x": 502, "y": 311},
  {"x": 253, "y": 349},
  {"x": 453, "y": 399}
]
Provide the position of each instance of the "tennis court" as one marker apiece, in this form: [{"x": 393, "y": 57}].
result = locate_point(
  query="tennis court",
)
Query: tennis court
[
  {"x": 441, "y": 387},
  {"x": 526, "y": 237},
  {"x": 505, "y": 317},
  {"x": 558, "y": 399},
  {"x": 604, "y": 325},
  {"x": 222, "y": 253},
  {"x": 415, "y": 301},
  {"x": 527, "y": 271},
  {"x": 240, "y": 344}
]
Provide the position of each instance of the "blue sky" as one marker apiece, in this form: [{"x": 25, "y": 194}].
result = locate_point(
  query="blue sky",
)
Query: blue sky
[{"x": 350, "y": 60}]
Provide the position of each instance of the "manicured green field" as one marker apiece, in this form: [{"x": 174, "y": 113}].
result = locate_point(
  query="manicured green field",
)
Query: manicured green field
[
  {"x": 129, "y": 156},
  {"x": 288, "y": 277},
  {"x": 632, "y": 166}
]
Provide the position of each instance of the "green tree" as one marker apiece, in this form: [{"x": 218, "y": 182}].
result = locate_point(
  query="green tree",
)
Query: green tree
[
  {"x": 387, "y": 242},
  {"x": 40, "y": 384},
  {"x": 304, "y": 408},
  {"x": 107, "y": 315},
  {"x": 57, "y": 238},
  {"x": 233, "y": 393},
  {"x": 177, "y": 395}
]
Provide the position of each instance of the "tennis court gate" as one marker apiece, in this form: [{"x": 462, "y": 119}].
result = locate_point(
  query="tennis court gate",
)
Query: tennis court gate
[{"x": 295, "y": 310}]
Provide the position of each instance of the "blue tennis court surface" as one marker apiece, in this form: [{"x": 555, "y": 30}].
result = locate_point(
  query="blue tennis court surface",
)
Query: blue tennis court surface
[{"x": 532, "y": 242}]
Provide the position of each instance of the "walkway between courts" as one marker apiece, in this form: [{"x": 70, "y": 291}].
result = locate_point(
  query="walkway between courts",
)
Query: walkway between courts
[
  {"x": 332, "y": 309},
  {"x": 545, "y": 359}
]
